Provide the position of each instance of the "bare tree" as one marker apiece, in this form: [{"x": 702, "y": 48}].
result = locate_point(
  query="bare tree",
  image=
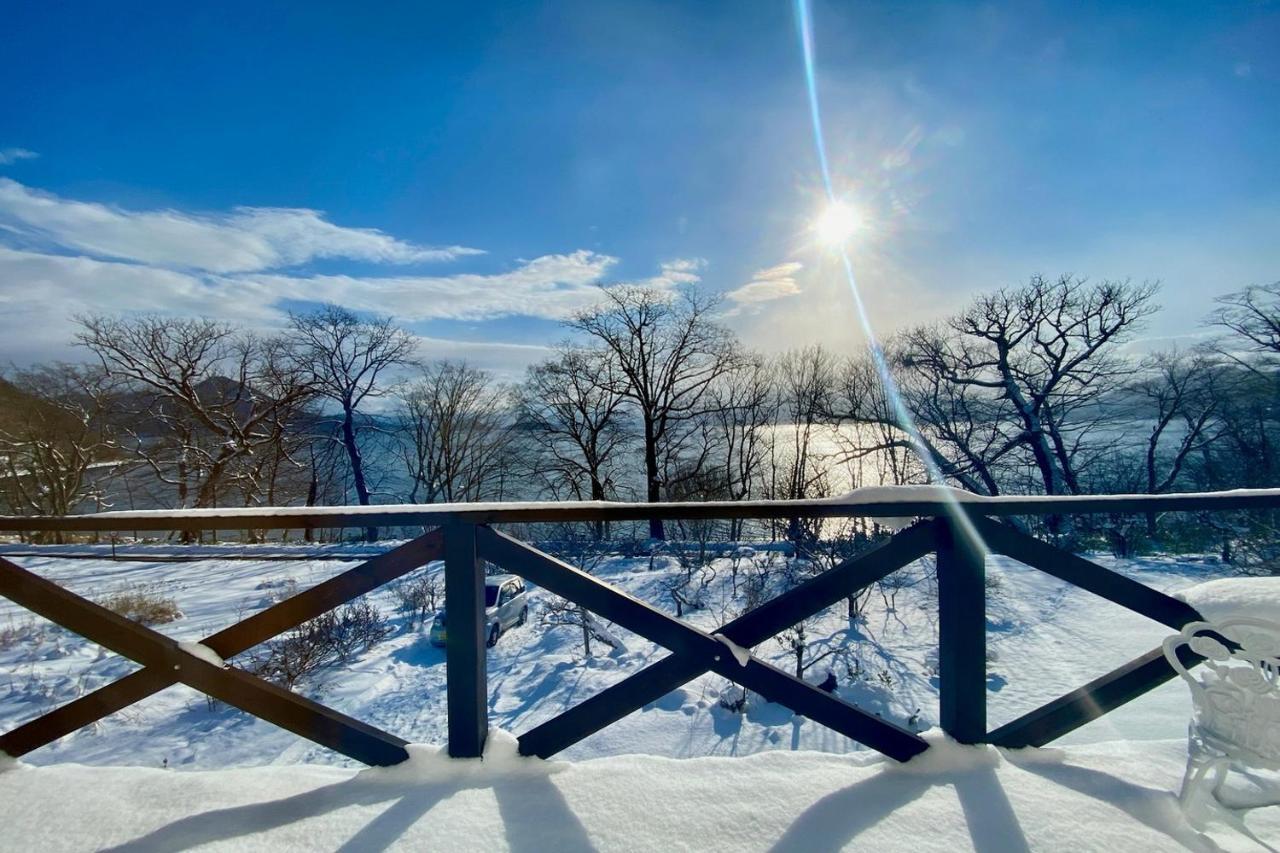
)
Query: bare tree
[
  {"x": 571, "y": 406},
  {"x": 53, "y": 431},
  {"x": 586, "y": 555},
  {"x": 742, "y": 413},
  {"x": 1048, "y": 349},
  {"x": 669, "y": 351},
  {"x": 345, "y": 357},
  {"x": 961, "y": 426},
  {"x": 1176, "y": 389},
  {"x": 1034, "y": 363},
  {"x": 453, "y": 433},
  {"x": 204, "y": 398},
  {"x": 870, "y": 429},
  {"x": 1251, "y": 319}
]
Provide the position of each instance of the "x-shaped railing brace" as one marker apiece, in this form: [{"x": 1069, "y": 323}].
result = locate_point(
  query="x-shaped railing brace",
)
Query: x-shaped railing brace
[
  {"x": 166, "y": 663},
  {"x": 696, "y": 652}
]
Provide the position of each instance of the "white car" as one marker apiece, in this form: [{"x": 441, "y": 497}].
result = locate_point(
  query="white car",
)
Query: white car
[{"x": 506, "y": 604}]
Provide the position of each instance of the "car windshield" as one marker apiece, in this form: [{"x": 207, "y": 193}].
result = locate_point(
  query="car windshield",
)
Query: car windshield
[{"x": 490, "y": 596}]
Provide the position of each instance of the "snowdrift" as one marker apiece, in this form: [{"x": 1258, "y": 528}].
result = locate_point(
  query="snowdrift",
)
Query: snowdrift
[{"x": 1110, "y": 797}]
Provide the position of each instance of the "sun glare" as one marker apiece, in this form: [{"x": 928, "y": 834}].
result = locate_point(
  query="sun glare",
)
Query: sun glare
[{"x": 837, "y": 224}]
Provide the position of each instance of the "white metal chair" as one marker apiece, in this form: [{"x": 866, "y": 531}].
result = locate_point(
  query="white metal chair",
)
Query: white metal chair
[{"x": 1236, "y": 718}]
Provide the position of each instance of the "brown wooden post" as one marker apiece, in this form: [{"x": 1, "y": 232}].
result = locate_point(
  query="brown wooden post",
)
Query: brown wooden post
[
  {"x": 468, "y": 698},
  {"x": 962, "y": 632}
]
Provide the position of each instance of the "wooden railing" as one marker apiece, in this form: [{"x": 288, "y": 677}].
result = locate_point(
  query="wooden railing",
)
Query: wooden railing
[{"x": 958, "y": 532}]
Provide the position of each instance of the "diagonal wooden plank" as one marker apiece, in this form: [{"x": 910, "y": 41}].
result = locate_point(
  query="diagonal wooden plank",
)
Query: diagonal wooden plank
[
  {"x": 325, "y": 596},
  {"x": 244, "y": 635},
  {"x": 685, "y": 640},
  {"x": 799, "y": 603},
  {"x": 235, "y": 687},
  {"x": 1113, "y": 586},
  {"x": 84, "y": 711},
  {"x": 1100, "y": 696}
]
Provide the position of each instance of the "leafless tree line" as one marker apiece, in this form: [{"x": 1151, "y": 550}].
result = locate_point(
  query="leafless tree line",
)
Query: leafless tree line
[{"x": 1032, "y": 389}]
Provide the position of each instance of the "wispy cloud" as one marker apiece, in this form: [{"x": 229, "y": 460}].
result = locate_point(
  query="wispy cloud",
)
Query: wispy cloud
[
  {"x": 677, "y": 272},
  {"x": 45, "y": 289},
  {"x": 9, "y": 156},
  {"x": 62, "y": 257},
  {"x": 550, "y": 286},
  {"x": 246, "y": 239},
  {"x": 776, "y": 282}
]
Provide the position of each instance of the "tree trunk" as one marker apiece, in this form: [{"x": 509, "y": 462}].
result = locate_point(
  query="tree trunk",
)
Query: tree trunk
[
  {"x": 653, "y": 479},
  {"x": 357, "y": 467},
  {"x": 313, "y": 490},
  {"x": 597, "y": 494}
]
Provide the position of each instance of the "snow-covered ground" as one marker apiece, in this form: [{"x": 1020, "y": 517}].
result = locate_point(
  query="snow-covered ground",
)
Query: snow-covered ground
[
  {"x": 1045, "y": 638},
  {"x": 1110, "y": 788},
  {"x": 1107, "y": 797}
]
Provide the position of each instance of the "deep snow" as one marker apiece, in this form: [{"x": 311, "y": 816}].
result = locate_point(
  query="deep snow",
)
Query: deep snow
[{"x": 1111, "y": 797}]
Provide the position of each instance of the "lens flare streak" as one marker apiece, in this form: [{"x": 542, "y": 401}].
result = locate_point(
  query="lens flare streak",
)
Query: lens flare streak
[{"x": 905, "y": 422}]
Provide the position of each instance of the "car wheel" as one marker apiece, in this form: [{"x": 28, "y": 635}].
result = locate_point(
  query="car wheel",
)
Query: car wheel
[
  {"x": 493, "y": 636},
  {"x": 524, "y": 616}
]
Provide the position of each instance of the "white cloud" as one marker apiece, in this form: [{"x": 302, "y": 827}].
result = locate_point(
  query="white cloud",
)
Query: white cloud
[
  {"x": 39, "y": 293},
  {"x": 9, "y": 156},
  {"x": 61, "y": 257},
  {"x": 776, "y": 282},
  {"x": 247, "y": 239},
  {"x": 679, "y": 271},
  {"x": 507, "y": 361},
  {"x": 551, "y": 286}
]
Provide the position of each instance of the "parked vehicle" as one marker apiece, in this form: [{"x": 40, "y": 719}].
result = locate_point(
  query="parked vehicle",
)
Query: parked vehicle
[{"x": 506, "y": 605}]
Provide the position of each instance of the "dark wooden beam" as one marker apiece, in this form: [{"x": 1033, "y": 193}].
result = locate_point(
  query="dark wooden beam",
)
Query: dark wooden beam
[
  {"x": 1080, "y": 572},
  {"x": 962, "y": 632},
  {"x": 468, "y": 692},
  {"x": 284, "y": 518},
  {"x": 271, "y": 622},
  {"x": 1100, "y": 696},
  {"x": 710, "y": 653},
  {"x": 655, "y": 681},
  {"x": 235, "y": 687}
]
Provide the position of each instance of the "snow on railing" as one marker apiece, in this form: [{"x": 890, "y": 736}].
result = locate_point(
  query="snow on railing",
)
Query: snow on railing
[{"x": 869, "y": 502}]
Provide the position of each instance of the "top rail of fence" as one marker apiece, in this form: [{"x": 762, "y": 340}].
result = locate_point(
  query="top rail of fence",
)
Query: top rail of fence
[{"x": 892, "y": 502}]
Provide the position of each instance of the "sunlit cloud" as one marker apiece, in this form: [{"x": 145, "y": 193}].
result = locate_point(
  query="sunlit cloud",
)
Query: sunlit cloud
[
  {"x": 62, "y": 257},
  {"x": 767, "y": 285},
  {"x": 246, "y": 239},
  {"x": 550, "y": 286}
]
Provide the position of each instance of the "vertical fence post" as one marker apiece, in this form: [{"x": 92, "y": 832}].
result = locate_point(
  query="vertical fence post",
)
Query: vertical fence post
[
  {"x": 962, "y": 632},
  {"x": 468, "y": 691}
]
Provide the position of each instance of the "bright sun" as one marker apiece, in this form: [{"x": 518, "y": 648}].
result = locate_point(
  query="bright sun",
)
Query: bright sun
[{"x": 836, "y": 224}]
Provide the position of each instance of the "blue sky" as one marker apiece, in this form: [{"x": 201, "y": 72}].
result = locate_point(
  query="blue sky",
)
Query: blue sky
[{"x": 475, "y": 170}]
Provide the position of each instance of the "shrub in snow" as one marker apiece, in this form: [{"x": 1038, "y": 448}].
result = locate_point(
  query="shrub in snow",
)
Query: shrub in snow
[
  {"x": 22, "y": 632},
  {"x": 733, "y": 699},
  {"x": 334, "y": 637},
  {"x": 556, "y": 612},
  {"x": 804, "y": 651},
  {"x": 142, "y": 604},
  {"x": 419, "y": 594}
]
